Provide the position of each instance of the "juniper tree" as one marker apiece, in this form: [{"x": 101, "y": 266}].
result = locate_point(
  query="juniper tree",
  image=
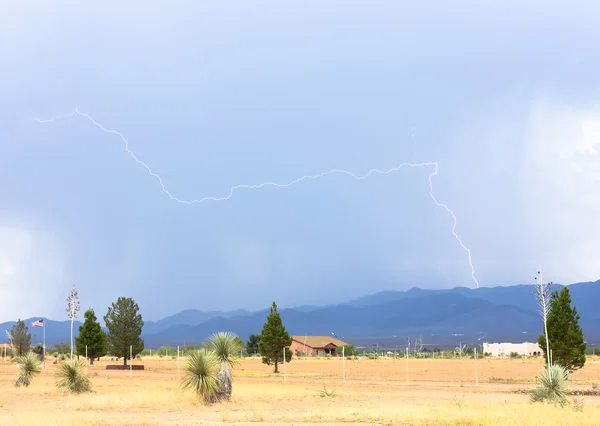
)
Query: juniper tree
[
  {"x": 20, "y": 338},
  {"x": 564, "y": 333},
  {"x": 124, "y": 328},
  {"x": 273, "y": 338},
  {"x": 91, "y": 336},
  {"x": 252, "y": 344}
]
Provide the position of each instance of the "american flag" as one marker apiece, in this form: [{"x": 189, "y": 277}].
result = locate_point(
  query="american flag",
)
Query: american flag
[{"x": 38, "y": 323}]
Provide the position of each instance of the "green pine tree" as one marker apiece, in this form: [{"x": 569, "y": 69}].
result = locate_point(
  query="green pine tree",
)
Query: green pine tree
[
  {"x": 124, "y": 326},
  {"x": 565, "y": 334},
  {"x": 252, "y": 344},
  {"x": 273, "y": 338},
  {"x": 92, "y": 336},
  {"x": 21, "y": 338}
]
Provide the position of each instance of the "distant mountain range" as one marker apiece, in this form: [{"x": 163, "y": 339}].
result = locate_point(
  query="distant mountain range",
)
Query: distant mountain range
[{"x": 388, "y": 318}]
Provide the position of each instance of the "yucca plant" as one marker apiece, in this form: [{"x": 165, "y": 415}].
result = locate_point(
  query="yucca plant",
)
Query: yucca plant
[
  {"x": 72, "y": 378},
  {"x": 226, "y": 346},
  {"x": 552, "y": 386},
  {"x": 29, "y": 366},
  {"x": 201, "y": 375}
]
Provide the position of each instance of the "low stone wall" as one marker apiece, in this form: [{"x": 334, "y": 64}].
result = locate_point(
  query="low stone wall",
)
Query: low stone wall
[{"x": 124, "y": 367}]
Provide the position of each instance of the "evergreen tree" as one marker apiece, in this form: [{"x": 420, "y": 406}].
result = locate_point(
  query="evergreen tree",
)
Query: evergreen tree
[
  {"x": 124, "y": 326},
  {"x": 252, "y": 344},
  {"x": 565, "y": 334},
  {"x": 92, "y": 336},
  {"x": 21, "y": 339},
  {"x": 273, "y": 338}
]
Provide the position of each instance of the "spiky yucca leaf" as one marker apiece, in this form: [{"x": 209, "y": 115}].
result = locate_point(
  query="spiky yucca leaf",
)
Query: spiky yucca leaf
[
  {"x": 552, "y": 386},
  {"x": 201, "y": 375},
  {"x": 226, "y": 346},
  {"x": 72, "y": 378},
  {"x": 29, "y": 366}
]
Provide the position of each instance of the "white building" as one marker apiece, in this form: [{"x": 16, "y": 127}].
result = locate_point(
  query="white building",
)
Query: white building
[{"x": 505, "y": 349}]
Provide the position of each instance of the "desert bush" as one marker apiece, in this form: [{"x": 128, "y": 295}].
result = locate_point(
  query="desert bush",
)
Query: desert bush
[
  {"x": 325, "y": 393},
  {"x": 29, "y": 366},
  {"x": 514, "y": 355},
  {"x": 226, "y": 346},
  {"x": 72, "y": 379},
  {"x": 552, "y": 386},
  {"x": 201, "y": 375}
]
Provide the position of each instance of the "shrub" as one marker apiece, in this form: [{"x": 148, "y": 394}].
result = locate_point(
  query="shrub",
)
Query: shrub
[
  {"x": 226, "y": 346},
  {"x": 72, "y": 379},
  {"x": 29, "y": 366},
  {"x": 201, "y": 375},
  {"x": 552, "y": 386}
]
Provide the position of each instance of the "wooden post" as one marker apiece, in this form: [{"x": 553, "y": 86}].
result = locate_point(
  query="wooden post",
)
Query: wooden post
[
  {"x": 343, "y": 364},
  {"x": 476, "y": 379},
  {"x": 407, "y": 365}
]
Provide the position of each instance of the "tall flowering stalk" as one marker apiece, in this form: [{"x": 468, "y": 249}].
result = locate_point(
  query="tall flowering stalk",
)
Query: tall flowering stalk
[
  {"x": 72, "y": 309},
  {"x": 542, "y": 293}
]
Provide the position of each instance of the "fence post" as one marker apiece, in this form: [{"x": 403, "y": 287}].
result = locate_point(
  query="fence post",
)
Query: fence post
[
  {"x": 284, "y": 375},
  {"x": 178, "y": 362},
  {"x": 476, "y": 379},
  {"x": 407, "y": 365},
  {"x": 131, "y": 361},
  {"x": 86, "y": 360},
  {"x": 343, "y": 364}
]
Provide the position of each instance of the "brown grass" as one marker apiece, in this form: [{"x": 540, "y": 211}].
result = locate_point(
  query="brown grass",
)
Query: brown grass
[{"x": 440, "y": 392}]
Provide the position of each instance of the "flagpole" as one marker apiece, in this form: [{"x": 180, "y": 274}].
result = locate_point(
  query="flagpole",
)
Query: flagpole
[{"x": 44, "y": 344}]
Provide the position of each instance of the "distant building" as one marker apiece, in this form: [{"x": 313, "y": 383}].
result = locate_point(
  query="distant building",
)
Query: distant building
[
  {"x": 505, "y": 349},
  {"x": 315, "y": 345}
]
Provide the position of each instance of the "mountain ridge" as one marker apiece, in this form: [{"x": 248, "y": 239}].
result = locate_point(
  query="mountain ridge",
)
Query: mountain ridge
[{"x": 443, "y": 316}]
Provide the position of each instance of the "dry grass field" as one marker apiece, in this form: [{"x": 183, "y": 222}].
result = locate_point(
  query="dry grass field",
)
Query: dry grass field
[{"x": 439, "y": 392}]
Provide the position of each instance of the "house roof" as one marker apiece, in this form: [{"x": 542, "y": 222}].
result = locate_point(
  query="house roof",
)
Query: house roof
[{"x": 318, "y": 341}]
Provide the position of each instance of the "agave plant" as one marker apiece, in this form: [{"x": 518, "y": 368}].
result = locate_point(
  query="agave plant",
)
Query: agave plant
[
  {"x": 72, "y": 378},
  {"x": 552, "y": 386},
  {"x": 226, "y": 346},
  {"x": 29, "y": 366},
  {"x": 201, "y": 375}
]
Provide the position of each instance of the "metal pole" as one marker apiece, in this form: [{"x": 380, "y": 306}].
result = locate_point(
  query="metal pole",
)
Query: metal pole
[
  {"x": 343, "y": 364},
  {"x": 131, "y": 361},
  {"x": 44, "y": 344},
  {"x": 407, "y": 365},
  {"x": 5, "y": 357},
  {"x": 284, "y": 374},
  {"x": 476, "y": 379},
  {"x": 86, "y": 360},
  {"x": 177, "y": 361}
]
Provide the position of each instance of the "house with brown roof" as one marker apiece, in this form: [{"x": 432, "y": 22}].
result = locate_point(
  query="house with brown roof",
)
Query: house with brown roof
[{"x": 315, "y": 345}]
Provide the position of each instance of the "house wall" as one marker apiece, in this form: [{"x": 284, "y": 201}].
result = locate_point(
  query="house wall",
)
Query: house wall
[
  {"x": 505, "y": 349},
  {"x": 296, "y": 345},
  {"x": 300, "y": 347}
]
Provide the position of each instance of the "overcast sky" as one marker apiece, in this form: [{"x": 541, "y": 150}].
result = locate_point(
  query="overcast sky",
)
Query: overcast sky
[{"x": 504, "y": 97}]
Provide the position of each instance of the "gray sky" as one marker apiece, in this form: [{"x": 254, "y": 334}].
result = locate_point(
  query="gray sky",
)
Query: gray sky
[{"x": 505, "y": 97}]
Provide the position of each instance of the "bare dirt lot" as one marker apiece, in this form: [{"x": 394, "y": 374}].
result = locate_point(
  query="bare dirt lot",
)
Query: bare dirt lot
[{"x": 438, "y": 392}]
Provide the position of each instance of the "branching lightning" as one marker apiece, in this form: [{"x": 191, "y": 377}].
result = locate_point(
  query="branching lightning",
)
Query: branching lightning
[{"x": 434, "y": 165}]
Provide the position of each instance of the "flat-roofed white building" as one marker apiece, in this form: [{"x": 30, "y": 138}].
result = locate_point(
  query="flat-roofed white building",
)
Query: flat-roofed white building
[{"x": 505, "y": 349}]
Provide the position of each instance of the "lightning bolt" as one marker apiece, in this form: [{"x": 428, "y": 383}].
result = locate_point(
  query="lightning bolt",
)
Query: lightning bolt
[{"x": 279, "y": 185}]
